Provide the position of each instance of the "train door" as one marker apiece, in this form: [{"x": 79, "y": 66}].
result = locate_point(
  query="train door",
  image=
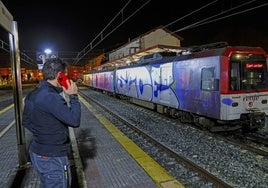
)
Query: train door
[{"x": 166, "y": 79}]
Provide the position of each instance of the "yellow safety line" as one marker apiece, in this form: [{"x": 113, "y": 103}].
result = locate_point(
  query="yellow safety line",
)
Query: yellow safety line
[
  {"x": 159, "y": 175},
  {"x": 6, "y": 109},
  {"x": 7, "y": 128}
]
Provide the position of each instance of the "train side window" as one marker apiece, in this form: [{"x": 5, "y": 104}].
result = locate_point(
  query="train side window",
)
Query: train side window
[
  {"x": 208, "y": 81},
  {"x": 235, "y": 75}
]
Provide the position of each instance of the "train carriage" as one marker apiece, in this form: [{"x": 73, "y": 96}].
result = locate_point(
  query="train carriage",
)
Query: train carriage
[
  {"x": 219, "y": 87},
  {"x": 102, "y": 80}
]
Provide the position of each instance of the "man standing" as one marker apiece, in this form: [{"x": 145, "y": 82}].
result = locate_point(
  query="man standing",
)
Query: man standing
[{"x": 47, "y": 115}]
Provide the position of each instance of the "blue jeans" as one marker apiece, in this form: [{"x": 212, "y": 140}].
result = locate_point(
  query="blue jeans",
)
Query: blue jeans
[{"x": 54, "y": 172}]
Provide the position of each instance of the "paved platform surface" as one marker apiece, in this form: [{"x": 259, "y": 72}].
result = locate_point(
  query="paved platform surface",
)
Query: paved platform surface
[{"x": 102, "y": 157}]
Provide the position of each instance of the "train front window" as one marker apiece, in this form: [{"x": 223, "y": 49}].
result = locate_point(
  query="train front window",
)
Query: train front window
[{"x": 248, "y": 71}]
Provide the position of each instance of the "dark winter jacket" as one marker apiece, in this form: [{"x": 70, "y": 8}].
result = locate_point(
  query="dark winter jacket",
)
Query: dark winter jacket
[{"x": 47, "y": 115}]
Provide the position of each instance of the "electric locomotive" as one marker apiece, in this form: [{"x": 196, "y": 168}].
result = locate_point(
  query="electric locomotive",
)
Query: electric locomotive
[{"x": 216, "y": 86}]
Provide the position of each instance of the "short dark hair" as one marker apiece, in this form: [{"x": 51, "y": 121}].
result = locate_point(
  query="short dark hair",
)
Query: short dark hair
[{"x": 51, "y": 68}]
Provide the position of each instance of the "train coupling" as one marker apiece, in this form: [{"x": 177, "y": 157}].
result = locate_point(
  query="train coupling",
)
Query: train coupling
[{"x": 253, "y": 120}]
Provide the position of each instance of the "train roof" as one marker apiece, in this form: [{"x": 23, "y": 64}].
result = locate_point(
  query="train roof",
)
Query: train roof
[
  {"x": 156, "y": 56},
  {"x": 184, "y": 53},
  {"x": 153, "y": 58},
  {"x": 207, "y": 50}
]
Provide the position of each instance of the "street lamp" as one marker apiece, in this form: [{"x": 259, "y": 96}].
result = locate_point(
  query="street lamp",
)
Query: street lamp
[
  {"x": 47, "y": 52},
  {"x": 43, "y": 56}
]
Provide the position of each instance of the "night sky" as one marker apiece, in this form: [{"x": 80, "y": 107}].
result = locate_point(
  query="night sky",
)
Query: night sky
[{"x": 71, "y": 25}]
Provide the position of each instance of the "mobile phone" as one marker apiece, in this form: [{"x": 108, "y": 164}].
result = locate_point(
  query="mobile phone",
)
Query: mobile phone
[{"x": 63, "y": 79}]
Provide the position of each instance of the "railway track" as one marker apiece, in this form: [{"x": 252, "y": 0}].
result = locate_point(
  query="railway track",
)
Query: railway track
[
  {"x": 254, "y": 142},
  {"x": 222, "y": 158},
  {"x": 130, "y": 129},
  {"x": 246, "y": 141}
]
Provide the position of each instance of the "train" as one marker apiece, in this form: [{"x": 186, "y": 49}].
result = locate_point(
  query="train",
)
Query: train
[{"x": 215, "y": 86}]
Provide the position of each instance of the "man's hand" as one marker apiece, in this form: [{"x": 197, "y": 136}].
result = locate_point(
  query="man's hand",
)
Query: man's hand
[{"x": 72, "y": 88}]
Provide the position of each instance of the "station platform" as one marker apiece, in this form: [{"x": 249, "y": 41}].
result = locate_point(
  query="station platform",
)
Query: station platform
[{"x": 102, "y": 157}]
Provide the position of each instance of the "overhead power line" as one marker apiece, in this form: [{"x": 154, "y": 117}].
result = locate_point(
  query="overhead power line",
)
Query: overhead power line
[
  {"x": 91, "y": 46},
  {"x": 204, "y": 21},
  {"x": 210, "y": 19},
  {"x": 191, "y": 13},
  {"x": 5, "y": 46}
]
